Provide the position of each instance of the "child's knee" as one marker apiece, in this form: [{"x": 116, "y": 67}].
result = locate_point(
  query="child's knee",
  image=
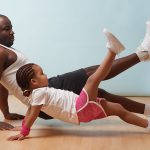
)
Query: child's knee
[
  {"x": 118, "y": 109},
  {"x": 92, "y": 80},
  {"x": 121, "y": 110}
]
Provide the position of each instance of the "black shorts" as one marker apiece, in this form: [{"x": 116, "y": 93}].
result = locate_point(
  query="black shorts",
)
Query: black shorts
[{"x": 73, "y": 81}]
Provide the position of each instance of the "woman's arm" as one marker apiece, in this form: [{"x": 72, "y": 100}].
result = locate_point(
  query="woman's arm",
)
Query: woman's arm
[{"x": 31, "y": 116}]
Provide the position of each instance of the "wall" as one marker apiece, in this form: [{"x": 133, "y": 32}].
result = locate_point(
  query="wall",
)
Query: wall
[{"x": 64, "y": 35}]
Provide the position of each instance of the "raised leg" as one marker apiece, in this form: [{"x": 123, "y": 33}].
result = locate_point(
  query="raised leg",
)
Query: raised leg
[
  {"x": 115, "y": 47},
  {"x": 119, "y": 66},
  {"x": 94, "y": 80}
]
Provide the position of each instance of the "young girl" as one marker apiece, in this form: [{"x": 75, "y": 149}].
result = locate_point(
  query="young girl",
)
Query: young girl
[{"x": 68, "y": 106}]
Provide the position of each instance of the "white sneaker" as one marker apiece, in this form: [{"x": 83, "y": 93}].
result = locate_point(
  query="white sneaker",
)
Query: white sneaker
[
  {"x": 143, "y": 51},
  {"x": 113, "y": 43}
]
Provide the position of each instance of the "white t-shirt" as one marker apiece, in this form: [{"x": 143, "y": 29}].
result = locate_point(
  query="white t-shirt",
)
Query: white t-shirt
[{"x": 59, "y": 104}]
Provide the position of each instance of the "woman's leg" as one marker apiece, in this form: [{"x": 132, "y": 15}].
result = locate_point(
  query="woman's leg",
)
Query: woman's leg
[
  {"x": 118, "y": 66},
  {"x": 127, "y": 103},
  {"x": 117, "y": 110}
]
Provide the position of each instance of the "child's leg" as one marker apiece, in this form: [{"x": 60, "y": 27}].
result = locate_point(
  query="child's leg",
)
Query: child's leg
[
  {"x": 117, "y": 110},
  {"x": 93, "y": 81}
]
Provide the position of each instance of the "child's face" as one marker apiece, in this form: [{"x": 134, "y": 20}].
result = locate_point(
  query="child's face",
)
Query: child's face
[{"x": 40, "y": 79}]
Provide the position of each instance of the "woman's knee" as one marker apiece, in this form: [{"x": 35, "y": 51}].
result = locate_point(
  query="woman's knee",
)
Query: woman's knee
[
  {"x": 120, "y": 111},
  {"x": 90, "y": 70}
]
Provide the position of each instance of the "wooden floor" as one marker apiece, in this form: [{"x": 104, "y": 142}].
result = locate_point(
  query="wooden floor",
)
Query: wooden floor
[{"x": 107, "y": 134}]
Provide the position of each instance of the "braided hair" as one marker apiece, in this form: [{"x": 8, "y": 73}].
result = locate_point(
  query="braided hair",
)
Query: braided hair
[
  {"x": 2, "y": 15},
  {"x": 23, "y": 76}
]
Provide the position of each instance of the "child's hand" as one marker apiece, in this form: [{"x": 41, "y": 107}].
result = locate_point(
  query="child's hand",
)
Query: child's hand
[{"x": 16, "y": 137}]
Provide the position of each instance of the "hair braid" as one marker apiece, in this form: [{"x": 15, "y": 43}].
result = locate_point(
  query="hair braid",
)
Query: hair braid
[{"x": 23, "y": 76}]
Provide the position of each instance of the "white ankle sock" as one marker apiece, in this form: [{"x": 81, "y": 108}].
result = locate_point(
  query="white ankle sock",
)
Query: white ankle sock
[
  {"x": 147, "y": 109},
  {"x": 143, "y": 55},
  {"x": 148, "y": 127}
]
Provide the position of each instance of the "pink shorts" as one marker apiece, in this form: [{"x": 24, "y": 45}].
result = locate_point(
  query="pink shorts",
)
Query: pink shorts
[{"x": 89, "y": 110}]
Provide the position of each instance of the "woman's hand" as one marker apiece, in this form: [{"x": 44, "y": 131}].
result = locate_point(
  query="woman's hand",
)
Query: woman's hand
[
  {"x": 18, "y": 137},
  {"x": 14, "y": 116},
  {"x": 5, "y": 126}
]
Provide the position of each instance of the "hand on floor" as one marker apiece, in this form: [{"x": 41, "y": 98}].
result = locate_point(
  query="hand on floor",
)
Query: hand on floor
[
  {"x": 14, "y": 116},
  {"x": 5, "y": 126},
  {"x": 18, "y": 137}
]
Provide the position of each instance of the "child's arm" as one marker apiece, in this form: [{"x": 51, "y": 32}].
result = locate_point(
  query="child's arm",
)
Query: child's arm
[
  {"x": 18, "y": 128},
  {"x": 31, "y": 116}
]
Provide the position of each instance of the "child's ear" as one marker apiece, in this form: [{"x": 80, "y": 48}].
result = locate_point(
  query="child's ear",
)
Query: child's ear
[{"x": 33, "y": 81}]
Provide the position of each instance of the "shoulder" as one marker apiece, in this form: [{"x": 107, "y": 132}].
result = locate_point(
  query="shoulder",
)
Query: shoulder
[
  {"x": 39, "y": 92},
  {"x": 39, "y": 96},
  {"x": 3, "y": 52},
  {"x": 3, "y": 58}
]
